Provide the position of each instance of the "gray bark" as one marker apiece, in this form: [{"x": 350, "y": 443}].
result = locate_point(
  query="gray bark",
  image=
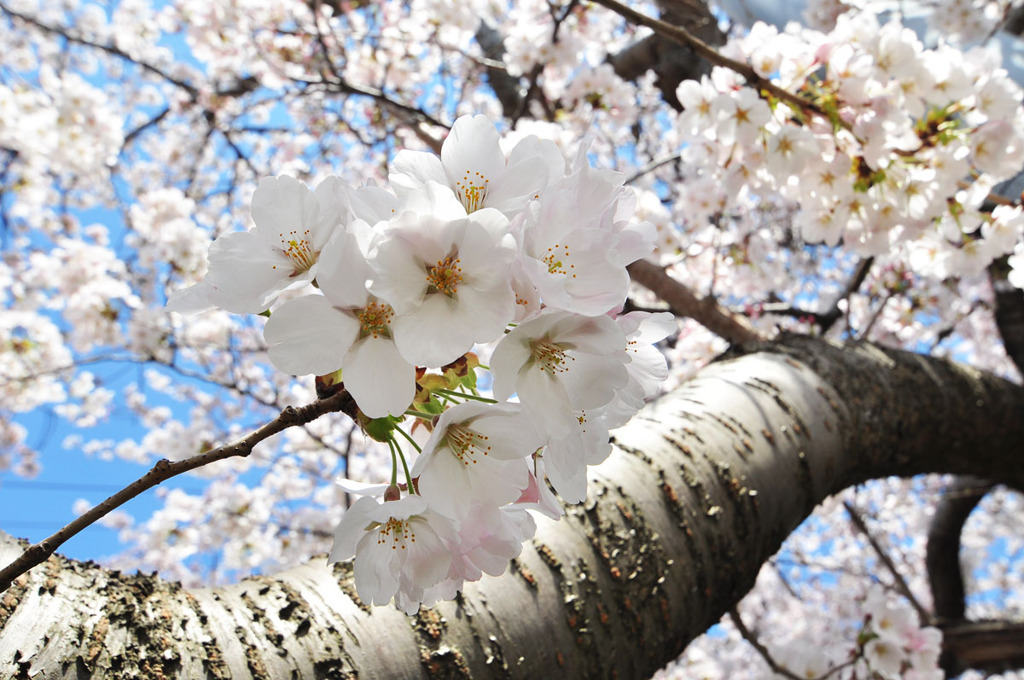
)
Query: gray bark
[{"x": 703, "y": 486}]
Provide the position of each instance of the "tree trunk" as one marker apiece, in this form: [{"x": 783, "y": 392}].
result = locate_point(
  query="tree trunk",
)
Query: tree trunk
[{"x": 703, "y": 487}]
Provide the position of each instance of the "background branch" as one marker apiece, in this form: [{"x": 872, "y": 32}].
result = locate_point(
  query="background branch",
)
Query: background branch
[
  {"x": 682, "y": 302},
  {"x": 164, "y": 470}
]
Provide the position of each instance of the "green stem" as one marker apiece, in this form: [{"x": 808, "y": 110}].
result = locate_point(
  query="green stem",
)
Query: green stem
[
  {"x": 405, "y": 466},
  {"x": 464, "y": 395},
  {"x": 393, "y": 445},
  {"x": 408, "y": 438}
]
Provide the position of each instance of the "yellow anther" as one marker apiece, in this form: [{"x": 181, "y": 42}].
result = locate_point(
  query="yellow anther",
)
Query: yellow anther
[
  {"x": 466, "y": 445},
  {"x": 375, "y": 319},
  {"x": 445, "y": 276}
]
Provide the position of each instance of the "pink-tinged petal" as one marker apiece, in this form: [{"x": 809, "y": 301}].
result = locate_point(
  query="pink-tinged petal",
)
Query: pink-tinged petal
[
  {"x": 596, "y": 444},
  {"x": 411, "y": 171},
  {"x": 493, "y": 554},
  {"x": 577, "y": 275},
  {"x": 545, "y": 398},
  {"x": 308, "y": 335},
  {"x": 592, "y": 380},
  {"x": 437, "y": 200},
  {"x": 591, "y": 334},
  {"x": 656, "y": 328},
  {"x": 521, "y": 183},
  {"x": 509, "y": 357},
  {"x": 431, "y": 557},
  {"x": 450, "y": 482},
  {"x": 400, "y": 278},
  {"x": 332, "y": 211},
  {"x": 491, "y": 222},
  {"x": 492, "y": 536},
  {"x": 485, "y": 312},
  {"x": 648, "y": 368},
  {"x": 635, "y": 241},
  {"x": 403, "y": 508},
  {"x": 375, "y": 575},
  {"x": 568, "y": 472},
  {"x": 537, "y": 496},
  {"x": 246, "y": 276},
  {"x": 535, "y": 147},
  {"x": 379, "y": 379},
  {"x": 372, "y": 204},
  {"x": 514, "y": 435},
  {"x": 444, "y": 483}
]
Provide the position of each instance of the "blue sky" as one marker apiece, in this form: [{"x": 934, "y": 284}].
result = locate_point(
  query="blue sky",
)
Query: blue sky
[{"x": 36, "y": 508}]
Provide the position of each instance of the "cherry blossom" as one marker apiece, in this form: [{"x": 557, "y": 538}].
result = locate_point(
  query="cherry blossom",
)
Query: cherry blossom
[
  {"x": 249, "y": 269},
  {"x": 401, "y": 549},
  {"x": 345, "y": 328},
  {"x": 474, "y": 167},
  {"x": 476, "y": 451},
  {"x": 446, "y": 277},
  {"x": 559, "y": 363}
]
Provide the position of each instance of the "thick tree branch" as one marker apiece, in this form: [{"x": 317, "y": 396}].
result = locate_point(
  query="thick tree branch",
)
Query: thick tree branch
[
  {"x": 164, "y": 470},
  {"x": 671, "y": 61},
  {"x": 989, "y": 646},
  {"x": 942, "y": 556},
  {"x": 1009, "y": 311},
  {"x": 701, "y": 489},
  {"x": 506, "y": 86}
]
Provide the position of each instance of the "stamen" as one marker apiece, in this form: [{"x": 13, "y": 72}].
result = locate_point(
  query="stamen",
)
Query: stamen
[
  {"x": 556, "y": 258},
  {"x": 398, "y": 532},
  {"x": 375, "y": 320},
  {"x": 445, "y": 276},
  {"x": 550, "y": 357},
  {"x": 472, "y": 190},
  {"x": 467, "y": 445},
  {"x": 299, "y": 250}
]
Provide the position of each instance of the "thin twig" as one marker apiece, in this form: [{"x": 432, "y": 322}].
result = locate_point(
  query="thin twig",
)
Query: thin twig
[
  {"x": 164, "y": 470},
  {"x": 827, "y": 319},
  {"x": 652, "y": 166},
  {"x": 883, "y": 556},
  {"x": 749, "y": 636},
  {"x": 109, "y": 49},
  {"x": 702, "y": 49},
  {"x": 683, "y": 302}
]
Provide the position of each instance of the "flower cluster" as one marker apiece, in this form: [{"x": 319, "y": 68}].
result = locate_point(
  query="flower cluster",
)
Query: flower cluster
[
  {"x": 888, "y": 145},
  {"x": 476, "y": 246},
  {"x": 895, "y": 645},
  {"x": 959, "y": 22}
]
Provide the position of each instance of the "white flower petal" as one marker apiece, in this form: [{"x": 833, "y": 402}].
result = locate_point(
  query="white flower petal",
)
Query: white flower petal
[
  {"x": 379, "y": 379},
  {"x": 351, "y": 529},
  {"x": 282, "y": 207},
  {"x": 344, "y": 271},
  {"x": 308, "y": 335},
  {"x": 435, "y": 335},
  {"x": 413, "y": 170}
]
